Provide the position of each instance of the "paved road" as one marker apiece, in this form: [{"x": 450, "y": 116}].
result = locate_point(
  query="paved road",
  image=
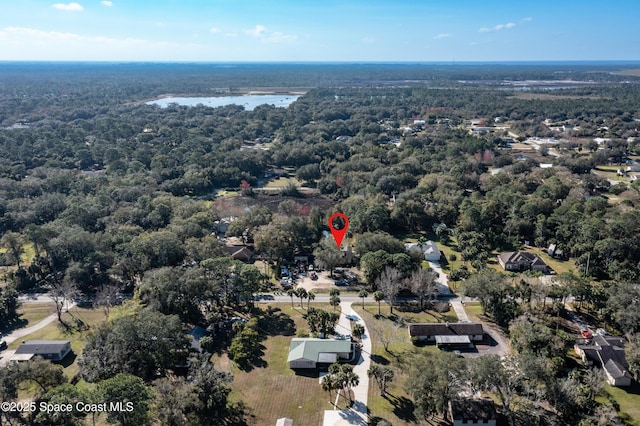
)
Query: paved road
[{"x": 357, "y": 414}]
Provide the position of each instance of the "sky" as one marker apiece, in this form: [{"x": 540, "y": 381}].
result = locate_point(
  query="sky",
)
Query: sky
[{"x": 311, "y": 30}]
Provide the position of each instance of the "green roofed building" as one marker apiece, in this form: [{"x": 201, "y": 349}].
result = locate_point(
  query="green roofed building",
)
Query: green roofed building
[{"x": 310, "y": 352}]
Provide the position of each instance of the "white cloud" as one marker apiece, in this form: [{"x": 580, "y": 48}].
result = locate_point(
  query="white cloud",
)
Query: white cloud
[
  {"x": 160, "y": 24},
  {"x": 441, "y": 36},
  {"x": 107, "y": 3},
  {"x": 215, "y": 30},
  {"x": 498, "y": 27},
  {"x": 369, "y": 40},
  {"x": 71, "y": 7},
  {"x": 527, "y": 19},
  {"x": 261, "y": 32}
]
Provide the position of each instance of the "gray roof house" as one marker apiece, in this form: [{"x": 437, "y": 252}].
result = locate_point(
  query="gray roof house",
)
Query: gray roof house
[
  {"x": 473, "y": 412},
  {"x": 522, "y": 261},
  {"x": 445, "y": 334},
  {"x": 54, "y": 350},
  {"x": 309, "y": 352},
  {"x": 608, "y": 353}
]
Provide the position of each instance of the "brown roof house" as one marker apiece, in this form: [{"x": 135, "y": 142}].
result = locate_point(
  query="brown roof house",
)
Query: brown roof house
[
  {"x": 608, "y": 353},
  {"x": 448, "y": 334},
  {"x": 242, "y": 253},
  {"x": 522, "y": 261},
  {"x": 473, "y": 412}
]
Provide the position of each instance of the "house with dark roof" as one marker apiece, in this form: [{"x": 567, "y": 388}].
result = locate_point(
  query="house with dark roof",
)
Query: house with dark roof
[
  {"x": 522, "y": 261},
  {"x": 607, "y": 353},
  {"x": 241, "y": 253},
  {"x": 448, "y": 334},
  {"x": 54, "y": 350},
  {"x": 473, "y": 412}
]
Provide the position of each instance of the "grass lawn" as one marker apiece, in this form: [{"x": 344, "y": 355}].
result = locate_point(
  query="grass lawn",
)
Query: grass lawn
[
  {"x": 629, "y": 401},
  {"x": 32, "y": 313},
  {"x": 283, "y": 182},
  {"x": 396, "y": 407},
  {"x": 89, "y": 318},
  {"x": 279, "y": 391}
]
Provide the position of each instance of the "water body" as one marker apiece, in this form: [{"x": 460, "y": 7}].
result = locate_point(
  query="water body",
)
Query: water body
[{"x": 249, "y": 102}]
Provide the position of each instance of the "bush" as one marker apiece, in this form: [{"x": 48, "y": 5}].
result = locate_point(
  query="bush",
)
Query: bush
[
  {"x": 453, "y": 257},
  {"x": 303, "y": 332}
]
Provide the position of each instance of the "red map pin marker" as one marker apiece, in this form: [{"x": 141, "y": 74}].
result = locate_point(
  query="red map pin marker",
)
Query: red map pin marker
[{"x": 338, "y": 234}]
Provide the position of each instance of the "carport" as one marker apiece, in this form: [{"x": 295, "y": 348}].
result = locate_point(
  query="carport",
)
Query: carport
[{"x": 455, "y": 341}]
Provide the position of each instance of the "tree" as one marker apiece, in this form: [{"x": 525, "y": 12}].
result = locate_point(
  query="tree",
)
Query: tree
[
  {"x": 490, "y": 374},
  {"x": 43, "y": 373},
  {"x": 386, "y": 331},
  {"x": 357, "y": 330},
  {"x": 363, "y": 294},
  {"x": 328, "y": 385},
  {"x": 63, "y": 395},
  {"x": 175, "y": 402},
  {"x": 212, "y": 389},
  {"x": 334, "y": 301},
  {"x": 343, "y": 378},
  {"x": 632, "y": 354},
  {"x": 130, "y": 393},
  {"x": 310, "y": 296},
  {"x": 321, "y": 321},
  {"x": 389, "y": 283},
  {"x": 291, "y": 292},
  {"x": 14, "y": 243},
  {"x": 107, "y": 297},
  {"x": 424, "y": 283},
  {"x": 493, "y": 291},
  {"x": 145, "y": 344},
  {"x": 383, "y": 375},
  {"x": 301, "y": 292},
  {"x": 434, "y": 380},
  {"x": 378, "y": 296},
  {"x": 62, "y": 292},
  {"x": 327, "y": 255}
]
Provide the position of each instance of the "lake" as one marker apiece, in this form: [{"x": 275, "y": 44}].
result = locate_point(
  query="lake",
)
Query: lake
[{"x": 249, "y": 102}]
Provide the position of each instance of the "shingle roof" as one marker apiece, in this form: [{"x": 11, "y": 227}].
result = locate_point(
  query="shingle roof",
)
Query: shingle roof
[
  {"x": 41, "y": 347},
  {"x": 445, "y": 329}
]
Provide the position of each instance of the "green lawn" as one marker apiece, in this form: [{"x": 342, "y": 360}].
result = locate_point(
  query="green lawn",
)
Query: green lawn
[
  {"x": 273, "y": 390},
  {"x": 282, "y": 182},
  {"x": 629, "y": 401},
  {"x": 33, "y": 313}
]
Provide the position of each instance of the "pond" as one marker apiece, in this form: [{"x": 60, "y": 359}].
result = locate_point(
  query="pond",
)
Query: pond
[{"x": 249, "y": 102}]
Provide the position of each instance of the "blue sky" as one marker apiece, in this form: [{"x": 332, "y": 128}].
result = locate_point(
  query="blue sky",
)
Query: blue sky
[{"x": 329, "y": 30}]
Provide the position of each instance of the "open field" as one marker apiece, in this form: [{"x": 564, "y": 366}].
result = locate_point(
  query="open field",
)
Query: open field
[
  {"x": 33, "y": 313},
  {"x": 280, "y": 391},
  {"x": 629, "y": 401},
  {"x": 551, "y": 96},
  {"x": 396, "y": 407}
]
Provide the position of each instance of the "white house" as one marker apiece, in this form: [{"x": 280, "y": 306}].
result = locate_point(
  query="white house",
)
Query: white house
[{"x": 428, "y": 250}]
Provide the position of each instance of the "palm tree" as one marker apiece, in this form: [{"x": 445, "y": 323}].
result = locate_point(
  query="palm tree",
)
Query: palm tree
[
  {"x": 291, "y": 292},
  {"x": 363, "y": 293},
  {"x": 302, "y": 294},
  {"x": 378, "y": 296},
  {"x": 328, "y": 384},
  {"x": 310, "y": 296},
  {"x": 334, "y": 301}
]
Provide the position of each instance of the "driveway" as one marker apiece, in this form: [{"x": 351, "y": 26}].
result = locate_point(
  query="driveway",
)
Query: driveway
[
  {"x": 443, "y": 288},
  {"x": 357, "y": 414}
]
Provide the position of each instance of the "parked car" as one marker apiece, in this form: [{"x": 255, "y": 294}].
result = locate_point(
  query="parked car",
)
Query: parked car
[
  {"x": 3, "y": 345},
  {"x": 587, "y": 334}
]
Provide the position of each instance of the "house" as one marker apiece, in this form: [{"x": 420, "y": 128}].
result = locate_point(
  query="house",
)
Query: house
[
  {"x": 54, "y": 350},
  {"x": 222, "y": 225},
  {"x": 448, "y": 334},
  {"x": 429, "y": 250},
  {"x": 554, "y": 251},
  {"x": 284, "y": 421},
  {"x": 608, "y": 353},
  {"x": 472, "y": 412},
  {"x": 241, "y": 253},
  {"x": 522, "y": 261},
  {"x": 311, "y": 352}
]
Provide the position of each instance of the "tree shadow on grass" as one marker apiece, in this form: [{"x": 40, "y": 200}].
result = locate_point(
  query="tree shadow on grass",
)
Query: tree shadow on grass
[
  {"x": 403, "y": 407},
  {"x": 379, "y": 359},
  {"x": 277, "y": 323}
]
